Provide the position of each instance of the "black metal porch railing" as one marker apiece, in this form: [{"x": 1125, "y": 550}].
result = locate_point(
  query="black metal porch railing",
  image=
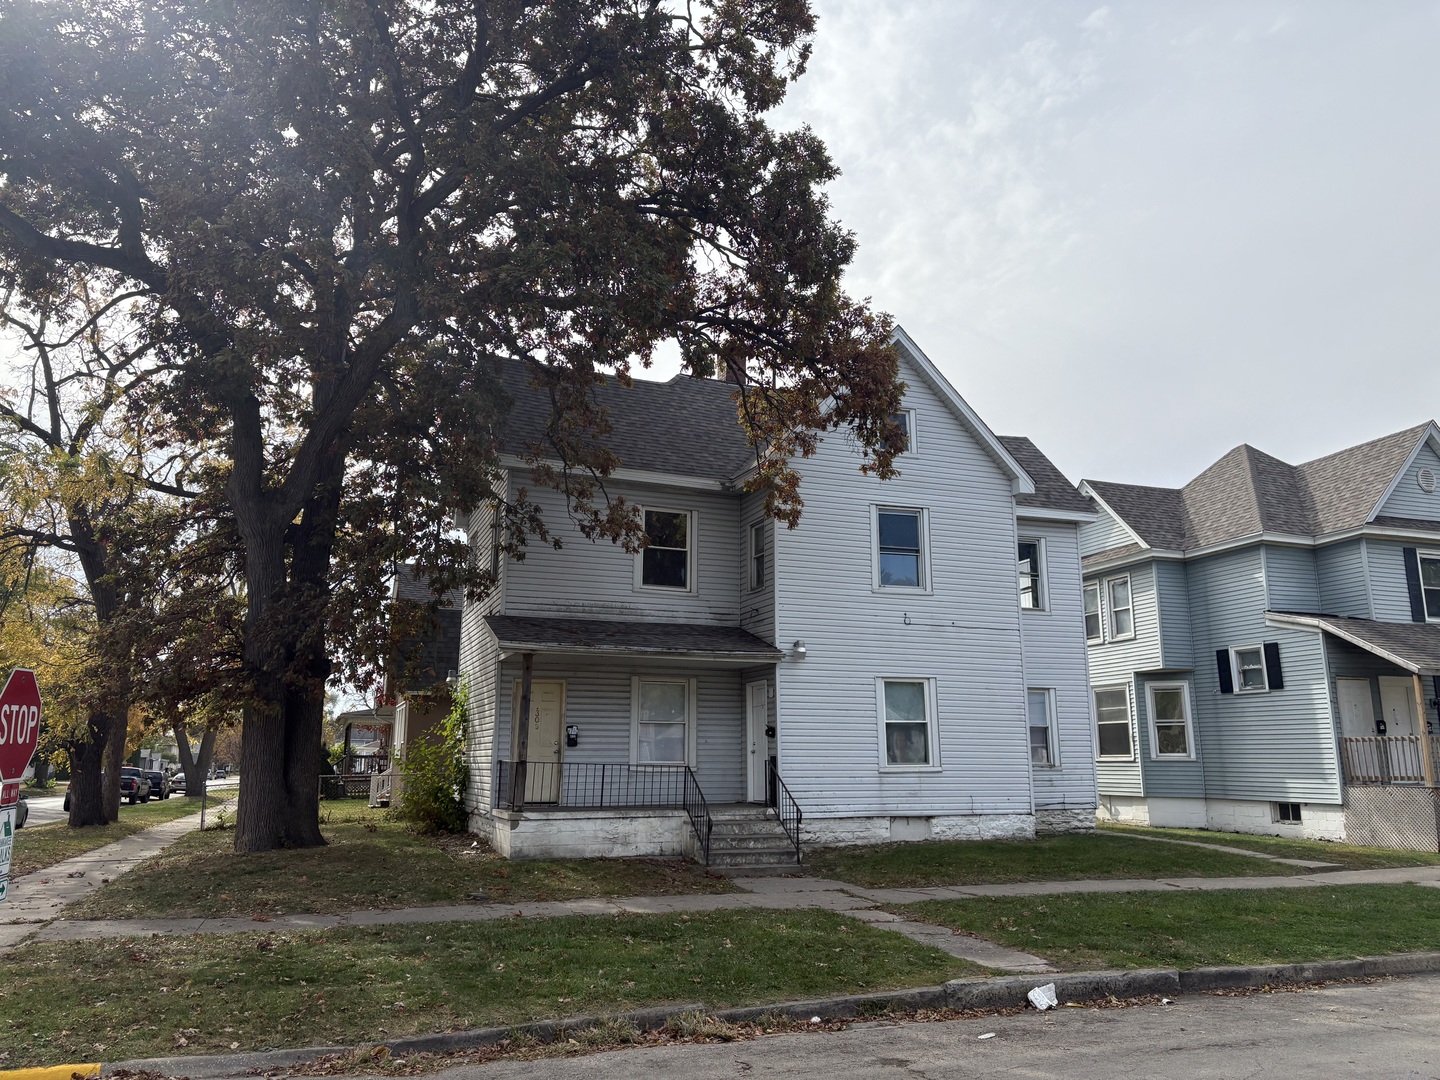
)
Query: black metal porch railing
[
  {"x": 786, "y": 808},
  {"x": 604, "y": 786}
]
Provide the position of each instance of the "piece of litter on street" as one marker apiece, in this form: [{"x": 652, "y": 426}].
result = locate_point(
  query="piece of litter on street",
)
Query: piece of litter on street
[
  {"x": 988, "y": 1035},
  {"x": 1166, "y": 1001},
  {"x": 814, "y": 1019},
  {"x": 1043, "y": 997}
]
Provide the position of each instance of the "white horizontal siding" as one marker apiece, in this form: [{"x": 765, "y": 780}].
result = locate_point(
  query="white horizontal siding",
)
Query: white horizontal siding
[
  {"x": 1114, "y": 663},
  {"x": 1054, "y": 641},
  {"x": 596, "y": 578},
  {"x": 757, "y": 606},
  {"x": 478, "y": 661},
  {"x": 1172, "y": 600},
  {"x": 1167, "y": 778},
  {"x": 1104, "y": 533},
  {"x": 965, "y": 634}
]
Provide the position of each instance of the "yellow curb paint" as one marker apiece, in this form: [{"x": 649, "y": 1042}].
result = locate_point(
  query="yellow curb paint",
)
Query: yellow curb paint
[{"x": 51, "y": 1072}]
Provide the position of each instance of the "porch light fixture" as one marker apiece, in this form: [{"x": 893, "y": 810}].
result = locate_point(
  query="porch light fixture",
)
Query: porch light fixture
[
  {"x": 799, "y": 650},
  {"x": 452, "y": 678}
]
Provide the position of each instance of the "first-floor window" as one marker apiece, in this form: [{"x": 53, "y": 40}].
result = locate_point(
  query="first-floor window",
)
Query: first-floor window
[
  {"x": 1112, "y": 721},
  {"x": 1169, "y": 721},
  {"x": 1040, "y": 705},
  {"x": 1093, "y": 631},
  {"x": 662, "y": 721},
  {"x": 906, "y": 723}
]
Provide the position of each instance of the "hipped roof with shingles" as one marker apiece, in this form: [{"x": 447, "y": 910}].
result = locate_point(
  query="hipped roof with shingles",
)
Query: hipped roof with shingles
[{"x": 1248, "y": 492}]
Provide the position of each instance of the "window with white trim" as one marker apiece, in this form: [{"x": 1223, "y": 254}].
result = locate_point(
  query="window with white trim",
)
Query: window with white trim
[
  {"x": 1122, "y": 613},
  {"x": 1430, "y": 584},
  {"x": 1170, "y": 735},
  {"x": 905, "y": 418},
  {"x": 662, "y": 719},
  {"x": 1248, "y": 662},
  {"x": 1032, "y": 575},
  {"x": 1040, "y": 707},
  {"x": 1112, "y": 722},
  {"x": 907, "y": 723},
  {"x": 1094, "y": 629},
  {"x": 665, "y": 561},
  {"x": 757, "y": 555},
  {"x": 900, "y": 548}
]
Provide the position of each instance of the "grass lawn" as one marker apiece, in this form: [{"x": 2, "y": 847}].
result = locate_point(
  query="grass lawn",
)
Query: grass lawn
[
  {"x": 1201, "y": 929},
  {"x": 39, "y": 846},
  {"x": 1047, "y": 858},
  {"x": 371, "y": 861},
  {"x": 1351, "y": 856},
  {"x": 209, "y": 994}
]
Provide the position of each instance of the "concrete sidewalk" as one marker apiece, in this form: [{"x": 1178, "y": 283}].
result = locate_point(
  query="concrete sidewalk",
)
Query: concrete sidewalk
[
  {"x": 43, "y": 894},
  {"x": 763, "y": 893}
]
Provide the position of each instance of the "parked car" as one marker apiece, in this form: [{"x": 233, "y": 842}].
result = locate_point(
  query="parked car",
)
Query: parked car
[
  {"x": 134, "y": 787},
  {"x": 177, "y": 782},
  {"x": 159, "y": 783},
  {"x": 222, "y": 773}
]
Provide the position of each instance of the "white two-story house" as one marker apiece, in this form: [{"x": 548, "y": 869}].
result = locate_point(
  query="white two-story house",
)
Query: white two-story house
[{"x": 907, "y": 663}]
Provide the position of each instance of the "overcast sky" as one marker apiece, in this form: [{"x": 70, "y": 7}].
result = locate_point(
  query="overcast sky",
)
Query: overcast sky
[{"x": 1143, "y": 233}]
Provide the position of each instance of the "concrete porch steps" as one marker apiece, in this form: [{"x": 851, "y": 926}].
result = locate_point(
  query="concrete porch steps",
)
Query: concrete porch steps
[{"x": 749, "y": 836}]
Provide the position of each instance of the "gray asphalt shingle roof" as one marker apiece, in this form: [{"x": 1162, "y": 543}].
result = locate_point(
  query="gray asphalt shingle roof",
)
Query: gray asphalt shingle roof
[
  {"x": 1416, "y": 646},
  {"x": 1249, "y": 491},
  {"x": 630, "y": 637},
  {"x": 1052, "y": 490}
]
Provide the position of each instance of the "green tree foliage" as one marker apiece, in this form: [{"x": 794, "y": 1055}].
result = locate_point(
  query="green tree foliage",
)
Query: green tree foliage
[
  {"x": 341, "y": 219},
  {"x": 435, "y": 774}
]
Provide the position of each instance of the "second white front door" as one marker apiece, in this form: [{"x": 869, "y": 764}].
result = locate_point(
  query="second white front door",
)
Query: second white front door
[
  {"x": 757, "y": 719},
  {"x": 1397, "y": 704}
]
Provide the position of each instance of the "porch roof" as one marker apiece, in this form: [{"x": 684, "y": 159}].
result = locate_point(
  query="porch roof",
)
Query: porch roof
[
  {"x": 1409, "y": 645},
  {"x": 518, "y": 633}
]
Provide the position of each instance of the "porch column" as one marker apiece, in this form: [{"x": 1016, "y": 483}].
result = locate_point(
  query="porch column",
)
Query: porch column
[
  {"x": 1426, "y": 762},
  {"x": 520, "y": 735}
]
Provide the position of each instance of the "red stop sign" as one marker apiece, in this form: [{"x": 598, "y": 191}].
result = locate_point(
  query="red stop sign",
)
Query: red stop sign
[{"x": 19, "y": 723}]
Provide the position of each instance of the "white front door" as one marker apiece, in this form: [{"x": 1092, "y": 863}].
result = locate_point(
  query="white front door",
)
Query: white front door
[
  {"x": 1397, "y": 703},
  {"x": 757, "y": 718},
  {"x": 1357, "y": 708},
  {"x": 542, "y": 749}
]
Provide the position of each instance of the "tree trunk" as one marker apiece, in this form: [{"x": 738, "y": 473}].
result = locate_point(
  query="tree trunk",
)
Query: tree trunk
[
  {"x": 87, "y": 801},
  {"x": 195, "y": 767},
  {"x": 114, "y": 761}
]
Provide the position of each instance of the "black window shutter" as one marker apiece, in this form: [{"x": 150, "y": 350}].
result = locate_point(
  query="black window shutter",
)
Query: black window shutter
[
  {"x": 1274, "y": 677},
  {"x": 1412, "y": 583},
  {"x": 1222, "y": 668}
]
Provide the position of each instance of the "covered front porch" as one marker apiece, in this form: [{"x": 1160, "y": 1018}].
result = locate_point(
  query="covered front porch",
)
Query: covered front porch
[{"x": 624, "y": 738}]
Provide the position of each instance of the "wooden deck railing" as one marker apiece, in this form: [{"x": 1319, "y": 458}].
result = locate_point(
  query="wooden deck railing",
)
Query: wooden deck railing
[{"x": 1390, "y": 759}]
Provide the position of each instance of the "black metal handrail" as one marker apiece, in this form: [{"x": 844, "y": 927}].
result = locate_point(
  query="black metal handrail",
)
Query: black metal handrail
[
  {"x": 698, "y": 811},
  {"x": 786, "y": 808},
  {"x": 589, "y": 785}
]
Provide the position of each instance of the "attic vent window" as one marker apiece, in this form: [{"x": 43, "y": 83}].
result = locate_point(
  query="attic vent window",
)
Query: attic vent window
[{"x": 1426, "y": 479}]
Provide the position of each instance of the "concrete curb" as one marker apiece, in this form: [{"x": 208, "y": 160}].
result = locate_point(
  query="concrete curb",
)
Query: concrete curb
[{"x": 1002, "y": 992}]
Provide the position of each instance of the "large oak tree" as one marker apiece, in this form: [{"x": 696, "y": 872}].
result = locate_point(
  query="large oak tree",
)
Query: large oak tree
[{"x": 343, "y": 215}]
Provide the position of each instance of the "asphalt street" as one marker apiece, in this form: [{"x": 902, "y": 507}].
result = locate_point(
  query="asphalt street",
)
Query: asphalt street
[
  {"x": 1380, "y": 1030},
  {"x": 48, "y": 808}
]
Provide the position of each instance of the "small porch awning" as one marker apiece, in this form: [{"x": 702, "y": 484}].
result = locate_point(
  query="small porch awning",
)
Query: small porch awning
[
  {"x": 603, "y": 637},
  {"x": 1412, "y": 646}
]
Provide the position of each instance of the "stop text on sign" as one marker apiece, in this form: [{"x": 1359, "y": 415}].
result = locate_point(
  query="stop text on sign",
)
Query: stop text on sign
[{"x": 18, "y": 723}]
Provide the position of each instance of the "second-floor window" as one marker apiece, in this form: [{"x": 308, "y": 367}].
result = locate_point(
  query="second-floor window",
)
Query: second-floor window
[
  {"x": 1093, "y": 629},
  {"x": 757, "y": 555},
  {"x": 1032, "y": 576},
  {"x": 1249, "y": 664},
  {"x": 900, "y": 537},
  {"x": 1122, "y": 614},
  {"x": 665, "y": 560},
  {"x": 1430, "y": 585}
]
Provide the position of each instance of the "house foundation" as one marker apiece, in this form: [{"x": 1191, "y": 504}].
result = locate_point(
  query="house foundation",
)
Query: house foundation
[
  {"x": 889, "y": 828},
  {"x": 585, "y": 834}
]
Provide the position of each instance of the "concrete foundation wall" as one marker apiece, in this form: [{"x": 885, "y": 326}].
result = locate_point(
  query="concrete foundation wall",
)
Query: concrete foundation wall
[
  {"x": 591, "y": 834},
  {"x": 1319, "y": 821},
  {"x": 841, "y": 831},
  {"x": 1050, "y": 822}
]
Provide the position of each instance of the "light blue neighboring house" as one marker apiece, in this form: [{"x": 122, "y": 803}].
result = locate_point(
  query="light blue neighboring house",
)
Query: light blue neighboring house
[
  {"x": 1264, "y": 644},
  {"x": 907, "y": 663}
]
